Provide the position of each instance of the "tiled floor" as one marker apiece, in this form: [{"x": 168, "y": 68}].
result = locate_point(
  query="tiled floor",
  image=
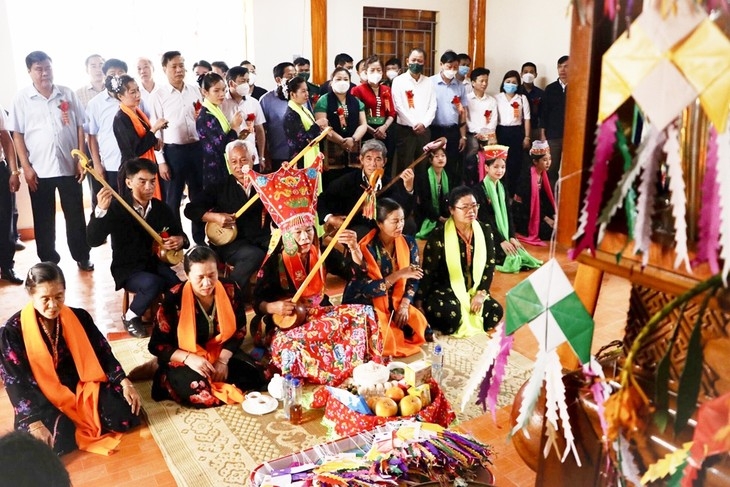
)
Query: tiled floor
[{"x": 139, "y": 461}]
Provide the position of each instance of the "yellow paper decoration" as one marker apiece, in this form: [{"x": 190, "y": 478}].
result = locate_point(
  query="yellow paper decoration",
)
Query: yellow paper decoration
[
  {"x": 667, "y": 465},
  {"x": 661, "y": 41}
]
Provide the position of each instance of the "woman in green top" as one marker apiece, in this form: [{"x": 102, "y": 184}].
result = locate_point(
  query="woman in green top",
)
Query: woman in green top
[
  {"x": 511, "y": 256},
  {"x": 346, "y": 116}
]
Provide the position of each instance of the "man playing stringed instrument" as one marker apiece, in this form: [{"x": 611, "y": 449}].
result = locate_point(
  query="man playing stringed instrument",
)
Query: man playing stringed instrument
[
  {"x": 136, "y": 266},
  {"x": 219, "y": 203}
]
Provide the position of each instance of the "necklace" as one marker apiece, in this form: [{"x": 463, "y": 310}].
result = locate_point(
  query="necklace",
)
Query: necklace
[
  {"x": 210, "y": 318},
  {"x": 53, "y": 340},
  {"x": 467, "y": 243}
]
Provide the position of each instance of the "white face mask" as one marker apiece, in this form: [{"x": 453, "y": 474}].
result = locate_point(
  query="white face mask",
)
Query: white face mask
[
  {"x": 391, "y": 73},
  {"x": 243, "y": 89},
  {"x": 375, "y": 78},
  {"x": 251, "y": 78},
  {"x": 363, "y": 75},
  {"x": 340, "y": 86},
  {"x": 528, "y": 78},
  {"x": 284, "y": 89},
  {"x": 449, "y": 73}
]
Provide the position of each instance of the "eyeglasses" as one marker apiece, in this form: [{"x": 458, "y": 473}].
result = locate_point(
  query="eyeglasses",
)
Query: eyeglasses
[{"x": 465, "y": 209}]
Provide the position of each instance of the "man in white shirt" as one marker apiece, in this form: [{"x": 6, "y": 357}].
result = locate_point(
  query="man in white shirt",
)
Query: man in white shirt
[
  {"x": 99, "y": 127},
  {"x": 415, "y": 105},
  {"x": 94, "y": 64},
  {"x": 239, "y": 99},
  {"x": 181, "y": 163},
  {"x": 481, "y": 123},
  {"x": 147, "y": 85},
  {"x": 47, "y": 121},
  {"x": 450, "y": 117}
]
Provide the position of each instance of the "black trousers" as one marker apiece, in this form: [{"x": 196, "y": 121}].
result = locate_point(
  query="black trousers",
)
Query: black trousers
[
  {"x": 43, "y": 204},
  {"x": 186, "y": 165},
  {"x": 7, "y": 239}
]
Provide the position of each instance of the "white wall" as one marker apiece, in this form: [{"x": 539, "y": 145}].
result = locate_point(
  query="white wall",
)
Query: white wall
[
  {"x": 263, "y": 31},
  {"x": 526, "y": 30}
]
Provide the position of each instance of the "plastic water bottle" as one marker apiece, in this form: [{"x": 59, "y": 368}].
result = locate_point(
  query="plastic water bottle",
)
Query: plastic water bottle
[
  {"x": 437, "y": 363},
  {"x": 295, "y": 407},
  {"x": 287, "y": 394}
]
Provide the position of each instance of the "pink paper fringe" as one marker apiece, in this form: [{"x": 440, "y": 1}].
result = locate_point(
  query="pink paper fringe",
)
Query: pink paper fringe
[
  {"x": 605, "y": 144},
  {"x": 492, "y": 382},
  {"x": 708, "y": 246}
]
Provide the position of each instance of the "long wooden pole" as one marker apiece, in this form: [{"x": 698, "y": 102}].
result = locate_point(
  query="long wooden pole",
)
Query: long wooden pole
[
  {"x": 85, "y": 163},
  {"x": 436, "y": 144},
  {"x": 373, "y": 180}
]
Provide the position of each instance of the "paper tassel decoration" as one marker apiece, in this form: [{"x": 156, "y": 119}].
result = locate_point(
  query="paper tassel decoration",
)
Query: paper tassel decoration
[
  {"x": 723, "y": 179},
  {"x": 649, "y": 161},
  {"x": 490, "y": 372},
  {"x": 709, "y": 224},
  {"x": 678, "y": 199},
  {"x": 547, "y": 303},
  {"x": 605, "y": 142}
]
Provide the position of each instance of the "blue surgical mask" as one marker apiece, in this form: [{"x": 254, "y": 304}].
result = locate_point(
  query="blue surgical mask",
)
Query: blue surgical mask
[
  {"x": 463, "y": 70},
  {"x": 510, "y": 88}
]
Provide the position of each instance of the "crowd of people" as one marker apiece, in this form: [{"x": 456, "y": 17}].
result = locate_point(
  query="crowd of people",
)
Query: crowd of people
[{"x": 271, "y": 178}]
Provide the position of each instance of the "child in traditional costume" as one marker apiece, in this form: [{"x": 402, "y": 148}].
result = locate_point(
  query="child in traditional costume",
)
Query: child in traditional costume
[
  {"x": 534, "y": 204},
  {"x": 431, "y": 205},
  {"x": 511, "y": 256}
]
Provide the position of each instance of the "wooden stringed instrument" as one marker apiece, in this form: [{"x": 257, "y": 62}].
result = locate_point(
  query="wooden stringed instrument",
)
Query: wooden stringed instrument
[
  {"x": 431, "y": 146},
  {"x": 300, "y": 311},
  {"x": 171, "y": 257},
  {"x": 224, "y": 234}
]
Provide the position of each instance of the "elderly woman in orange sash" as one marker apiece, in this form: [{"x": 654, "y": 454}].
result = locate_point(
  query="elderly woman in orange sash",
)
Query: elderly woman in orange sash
[
  {"x": 134, "y": 133},
  {"x": 66, "y": 387},
  {"x": 332, "y": 340},
  {"x": 389, "y": 282},
  {"x": 197, "y": 339}
]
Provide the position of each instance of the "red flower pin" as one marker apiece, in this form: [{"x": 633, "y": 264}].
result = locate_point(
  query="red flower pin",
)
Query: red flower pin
[
  {"x": 409, "y": 96},
  {"x": 341, "y": 114},
  {"x": 197, "y": 105},
  {"x": 164, "y": 233},
  {"x": 488, "y": 115},
  {"x": 64, "y": 106},
  {"x": 516, "y": 109},
  {"x": 456, "y": 101},
  {"x": 250, "y": 117}
]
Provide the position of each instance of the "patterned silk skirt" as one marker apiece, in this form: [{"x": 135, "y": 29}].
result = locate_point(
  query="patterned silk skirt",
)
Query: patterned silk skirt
[{"x": 329, "y": 345}]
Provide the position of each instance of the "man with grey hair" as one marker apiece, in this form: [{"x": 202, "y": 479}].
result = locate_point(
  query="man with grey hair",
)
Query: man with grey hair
[
  {"x": 219, "y": 203},
  {"x": 341, "y": 195}
]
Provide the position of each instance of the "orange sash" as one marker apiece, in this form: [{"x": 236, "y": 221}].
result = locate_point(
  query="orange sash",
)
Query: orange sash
[
  {"x": 394, "y": 342},
  {"x": 186, "y": 332},
  {"x": 295, "y": 268},
  {"x": 141, "y": 125},
  {"x": 81, "y": 407}
]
